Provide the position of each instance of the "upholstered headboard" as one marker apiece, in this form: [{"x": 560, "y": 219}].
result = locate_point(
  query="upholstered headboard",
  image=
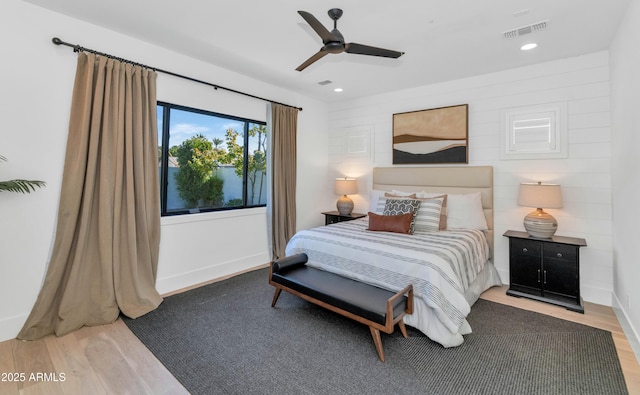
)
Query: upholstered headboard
[{"x": 458, "y": 180}]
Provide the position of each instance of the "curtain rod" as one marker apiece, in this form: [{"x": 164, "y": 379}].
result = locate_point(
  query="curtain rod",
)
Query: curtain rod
[{"x": 78, "y": 48}]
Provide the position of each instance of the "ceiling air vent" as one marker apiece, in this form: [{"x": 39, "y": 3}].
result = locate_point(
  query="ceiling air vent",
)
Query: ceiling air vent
[
  {"x": 325, "y": 82},
  {"x": 528, "y": 29}
]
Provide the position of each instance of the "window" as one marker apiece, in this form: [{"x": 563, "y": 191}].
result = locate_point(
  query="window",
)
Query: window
[
  {"x": 209, "y": 161},
  {"x": 535, "y": 132}
]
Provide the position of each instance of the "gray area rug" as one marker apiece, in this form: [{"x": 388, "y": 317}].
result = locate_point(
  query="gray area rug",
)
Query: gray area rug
[{"x": 225, "y": 338}]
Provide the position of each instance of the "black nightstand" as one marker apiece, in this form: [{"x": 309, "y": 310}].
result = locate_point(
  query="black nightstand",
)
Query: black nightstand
[
  {"x": 547, "y": 270},
  {"x": 331, "y": 217}
]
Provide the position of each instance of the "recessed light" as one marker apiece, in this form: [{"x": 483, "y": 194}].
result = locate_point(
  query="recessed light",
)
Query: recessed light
[
  {"x": 528, "y": 47},
  {"x": 338, "y": 90}
]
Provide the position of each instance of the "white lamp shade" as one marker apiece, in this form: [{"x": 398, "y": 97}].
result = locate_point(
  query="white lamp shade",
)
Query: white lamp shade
[
  {"x": 346, "y": 186},
  {"x": 538, "y": 223},
  {"x": 540, "y": 195}
]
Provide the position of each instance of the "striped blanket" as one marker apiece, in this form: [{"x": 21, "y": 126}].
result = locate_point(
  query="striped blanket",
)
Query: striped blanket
[{"x": 440, "y": 265}]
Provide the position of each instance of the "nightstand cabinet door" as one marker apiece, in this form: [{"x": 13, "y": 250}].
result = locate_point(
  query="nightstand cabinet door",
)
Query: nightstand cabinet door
[
  {"x": 560, "y": 272},
  {"x": 525, "y": 266}
]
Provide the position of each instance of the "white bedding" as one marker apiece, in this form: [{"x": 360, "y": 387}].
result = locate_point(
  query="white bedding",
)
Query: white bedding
[{"x": 442, "y": 266}]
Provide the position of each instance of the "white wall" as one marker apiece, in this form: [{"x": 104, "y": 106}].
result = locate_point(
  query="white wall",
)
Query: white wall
[
  {"x": 625, "y": 99},
  {"x": 37, "y": 79},
  {"x": 581, "y": 82}
]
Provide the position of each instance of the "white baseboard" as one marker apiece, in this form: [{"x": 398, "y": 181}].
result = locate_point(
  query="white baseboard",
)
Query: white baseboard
[
  {"x": 629, "y": 331},
  {"x": 504, "y": 275},
  {"x": 185, "y": 280},
  {"x": 596, "y": 295},
  {"x": 9, "y": 327}
]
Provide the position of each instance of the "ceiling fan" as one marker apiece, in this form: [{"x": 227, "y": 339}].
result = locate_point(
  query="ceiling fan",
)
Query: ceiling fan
[{"x": 334, "y": 41}]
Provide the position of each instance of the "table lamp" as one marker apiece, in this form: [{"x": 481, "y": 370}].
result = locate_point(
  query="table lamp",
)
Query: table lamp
[
  {"x": 539, "y": 223},
  {"x": 345, "y": 186}
]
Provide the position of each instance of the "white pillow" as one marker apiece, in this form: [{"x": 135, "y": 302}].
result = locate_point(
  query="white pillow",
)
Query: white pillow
[
  {"x": 465, "y": 212},
  {"x": 374, "y": 196}
]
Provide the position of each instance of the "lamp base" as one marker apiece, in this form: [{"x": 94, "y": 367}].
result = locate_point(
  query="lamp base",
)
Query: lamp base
[
  {"x": 540, "y": 224},
  {"x": 344, "y": 205}
]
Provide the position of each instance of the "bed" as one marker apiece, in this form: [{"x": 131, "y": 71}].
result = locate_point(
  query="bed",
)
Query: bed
[{"x": 448, "y": 268}]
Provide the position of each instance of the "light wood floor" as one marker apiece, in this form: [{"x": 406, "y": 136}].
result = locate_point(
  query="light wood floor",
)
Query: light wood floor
[{"x": 109, "y": 359}]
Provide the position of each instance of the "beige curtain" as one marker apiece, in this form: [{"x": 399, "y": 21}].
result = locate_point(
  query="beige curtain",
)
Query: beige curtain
[
  {"x": 105, "y": 254},
  {"x": 284, "y": 125}
]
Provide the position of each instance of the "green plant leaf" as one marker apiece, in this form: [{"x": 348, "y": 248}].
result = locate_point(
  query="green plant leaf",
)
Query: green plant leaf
[{"x": 21, "y": 186}]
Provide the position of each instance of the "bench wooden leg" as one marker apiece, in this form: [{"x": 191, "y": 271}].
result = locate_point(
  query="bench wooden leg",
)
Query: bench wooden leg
[
  {"x": 375, "y": 333},
  {"x": 275, "y": 297},
  {"x": 403, "y": 329}
]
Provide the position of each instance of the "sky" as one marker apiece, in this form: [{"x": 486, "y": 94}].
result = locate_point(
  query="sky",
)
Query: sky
[{"x": 185, "y": 124}]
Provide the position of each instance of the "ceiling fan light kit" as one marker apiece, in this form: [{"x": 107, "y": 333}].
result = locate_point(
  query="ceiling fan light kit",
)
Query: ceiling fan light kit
[{"x": 333, "y": 41}]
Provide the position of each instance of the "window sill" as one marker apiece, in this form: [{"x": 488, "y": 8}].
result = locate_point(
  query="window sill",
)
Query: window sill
[{"x": 212, "y": 216}]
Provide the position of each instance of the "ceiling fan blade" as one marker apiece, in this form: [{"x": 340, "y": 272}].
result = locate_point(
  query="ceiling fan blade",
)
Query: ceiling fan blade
[
  {"x": 318, "y": 55},
  {"x": 372, "y": 51},
  {"x": 318, "y": 27}
]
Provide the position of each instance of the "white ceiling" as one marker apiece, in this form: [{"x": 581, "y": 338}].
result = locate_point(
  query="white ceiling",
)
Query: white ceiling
[{"x": 442, "y": 39}]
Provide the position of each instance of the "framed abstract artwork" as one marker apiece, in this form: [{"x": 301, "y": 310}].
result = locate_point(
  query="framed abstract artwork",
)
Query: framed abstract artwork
[{"x": 437, "y": 135}]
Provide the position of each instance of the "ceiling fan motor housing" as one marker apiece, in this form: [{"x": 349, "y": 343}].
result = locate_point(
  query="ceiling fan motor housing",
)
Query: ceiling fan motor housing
[{"x": 334, "y": 47}]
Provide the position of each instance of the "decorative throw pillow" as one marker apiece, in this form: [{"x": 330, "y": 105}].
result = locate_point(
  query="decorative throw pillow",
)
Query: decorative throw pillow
[
  {"x": 381, "y": 201},
  {"x": 395, "y": 192},
  {"x": 402, "y": 206},
  {"x": 390, "y": 223},
  {"x": 430, "y": 215},
  {"x": 403, "y": 196},
  {"x": 445, "y": 209}
]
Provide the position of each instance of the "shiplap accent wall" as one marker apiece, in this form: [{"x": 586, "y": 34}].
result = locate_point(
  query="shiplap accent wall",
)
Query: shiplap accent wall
[{"x": 585, "y": 175}]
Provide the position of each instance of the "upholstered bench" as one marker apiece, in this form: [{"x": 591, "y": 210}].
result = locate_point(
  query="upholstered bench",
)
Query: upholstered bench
[{"x": 378, "y": 308}]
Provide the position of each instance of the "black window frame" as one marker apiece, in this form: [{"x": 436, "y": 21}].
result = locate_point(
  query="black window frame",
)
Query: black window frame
[{"x": 164, "y": 173}]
